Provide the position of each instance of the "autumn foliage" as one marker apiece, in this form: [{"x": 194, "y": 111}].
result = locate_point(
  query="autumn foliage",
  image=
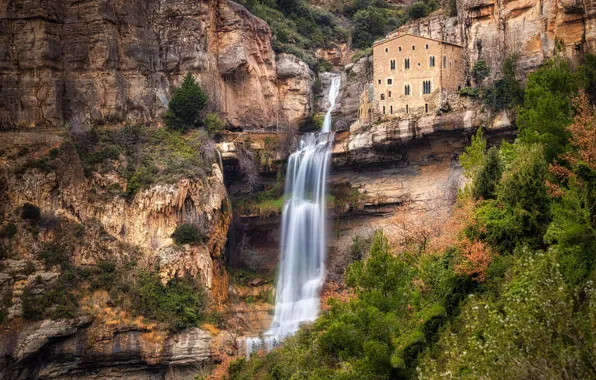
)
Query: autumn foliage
[{"x": 583, "y": 140}]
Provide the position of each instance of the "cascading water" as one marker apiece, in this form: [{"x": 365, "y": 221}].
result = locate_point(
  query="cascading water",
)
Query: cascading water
[{"x": 302, "y": 266}]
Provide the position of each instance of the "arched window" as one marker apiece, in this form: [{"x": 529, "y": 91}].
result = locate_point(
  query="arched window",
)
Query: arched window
[
  {"x": 392, "y": 64},
  {"x": 382, "y": 96}
]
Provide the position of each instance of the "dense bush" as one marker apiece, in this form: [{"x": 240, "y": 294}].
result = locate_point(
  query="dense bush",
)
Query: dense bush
[
  {"x": 180, "y": 304},
  {"x": 30, "y": 211},
  {"x": 480, "y": 70},
  {"x": 507, "y": 92},
  {"x": 8, "y": 231},
  {"x": 187, "y": 234},
  {"x": 186, "y": 104},
  {"x": 214, "y": 124}
]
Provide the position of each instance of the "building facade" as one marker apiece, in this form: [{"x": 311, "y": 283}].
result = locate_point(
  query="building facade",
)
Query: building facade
[{"x": 412, "y": 75}]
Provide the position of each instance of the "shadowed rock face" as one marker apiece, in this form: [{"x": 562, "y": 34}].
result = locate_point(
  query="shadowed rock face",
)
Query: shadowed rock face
[
  {"x": 116, "y": 61},
  {"x": 86, "y": 349}
]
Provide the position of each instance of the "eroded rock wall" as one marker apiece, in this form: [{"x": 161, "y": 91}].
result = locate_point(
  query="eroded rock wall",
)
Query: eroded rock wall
[{"x": 116, "y": 61}]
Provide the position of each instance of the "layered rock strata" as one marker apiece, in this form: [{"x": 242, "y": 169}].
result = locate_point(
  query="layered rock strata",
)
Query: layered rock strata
[{"x": 79, "y": 62}]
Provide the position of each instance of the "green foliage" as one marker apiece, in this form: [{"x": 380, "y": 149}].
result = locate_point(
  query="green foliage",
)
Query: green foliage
[
  {"x": 30, "y": 212},
  {"x": 187, "y": 234},
  {"x": 538, "y": 328},
  {"x": 55, "y": 254},
  {"x": 418, "y": 10},
  {"x": 520, "y": 214},
  {"x": 473, "y": 157},
  {"x": 488, "y": 176},
  {"x": 186, "y": 104},
  {"x": 214, "y": 124},
  {"x": 145, "y": 156},
  {"x": 299, "y": 28},
  {"x": 546, "y": 110},
  {"x": 318, "y": 120},
  {"x": 472, "y": 92},
  {"x": 180, "y": 304},
  {"x": 367, "y": 52},
  {"x": 379, "y": 335},
  {"x": 480, "y": 70},
  {"x": 505, "y": 93}
]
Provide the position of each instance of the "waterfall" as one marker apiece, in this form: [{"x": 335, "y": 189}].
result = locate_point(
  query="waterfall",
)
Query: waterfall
[
  {"x": 333, "y": 92},
  {"x": 303, "y": 241}
]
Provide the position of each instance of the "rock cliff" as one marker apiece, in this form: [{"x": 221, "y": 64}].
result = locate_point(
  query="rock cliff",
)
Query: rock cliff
[
  {"x": 91, "y": 225},
  {"x": 113, "y": 61}
]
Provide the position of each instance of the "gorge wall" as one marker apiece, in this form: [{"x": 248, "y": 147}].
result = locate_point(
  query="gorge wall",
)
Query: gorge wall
[{"x": 77, "y": 62}]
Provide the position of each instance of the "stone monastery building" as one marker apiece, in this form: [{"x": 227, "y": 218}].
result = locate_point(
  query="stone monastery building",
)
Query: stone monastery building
[{"x": 412, "y": 76}]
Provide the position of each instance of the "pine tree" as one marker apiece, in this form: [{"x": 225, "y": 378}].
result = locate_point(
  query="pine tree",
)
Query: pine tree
[{"x": 186, "y": 105}]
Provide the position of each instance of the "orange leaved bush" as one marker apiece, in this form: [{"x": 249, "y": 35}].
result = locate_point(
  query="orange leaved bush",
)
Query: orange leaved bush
[
  {"x": 475, "y": 259},
  {"x": 583, "y": 140}
]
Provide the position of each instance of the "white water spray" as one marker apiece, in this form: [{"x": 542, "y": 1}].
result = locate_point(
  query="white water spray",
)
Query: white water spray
[{"x": 303, "y": 240}]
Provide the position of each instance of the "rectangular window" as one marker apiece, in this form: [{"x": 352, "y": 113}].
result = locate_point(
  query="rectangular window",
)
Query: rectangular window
[
  {"x": 389, "y": 81},
  {"x": 391, "y": 110},
  {"x": 389, "y": 95},
  {"x": 413, "y": 47},
  {"x": 392, "y": 64},
  {"x": 426, "y": 87},
  {"x": 379, "y": 81},
  {"x": 399, "y": 48},
  {"x": 444, "y": 61},
  {"x": 383, "y": 110},
  {"x": 426, "y": 108},
  {"x": 386, "y": 50},
  {"x": 407, "y": 109},
  {"x": 407, "y": 63},
  {"x": 426, "y": 46},
  {"x": 407, "y": 89},
  {"x": 432, "y": 61}
]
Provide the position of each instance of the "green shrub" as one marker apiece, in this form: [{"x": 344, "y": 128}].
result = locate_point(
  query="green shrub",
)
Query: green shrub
[
  {"x": 186, "y": 104},
  {"x": 180, "y": 304},
  {"x": 418, "y": 10},
  {"x": 505, "y": 93},
  {"x": 187, "y": 234},
  {"x": 488, "y": 176},
  {"x": 54, "y": 152},
  {"x": 472, "y": 92},
  {"x": 8, "y": 231},
  {"x": 480, "y": 70},
  {"x": 30, "y": 212},
  {"x": 55, "y": 254},
  {"x": 214, "y": 124}
]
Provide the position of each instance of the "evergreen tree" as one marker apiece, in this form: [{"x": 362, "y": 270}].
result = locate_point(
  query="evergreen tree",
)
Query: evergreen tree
[{"x": 185, "y": 107}]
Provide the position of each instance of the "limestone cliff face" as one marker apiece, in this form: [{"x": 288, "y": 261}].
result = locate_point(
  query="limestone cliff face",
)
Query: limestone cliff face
[
  {"x": 116, "y": 61},
  {"x": 493, "y": 29},
  {"x": 146, "y": 221}
]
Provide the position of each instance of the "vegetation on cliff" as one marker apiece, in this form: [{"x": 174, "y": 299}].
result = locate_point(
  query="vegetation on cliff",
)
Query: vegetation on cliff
[
  {"x": 300, "y": 28},
  {"x": 503, "y": 290}
]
